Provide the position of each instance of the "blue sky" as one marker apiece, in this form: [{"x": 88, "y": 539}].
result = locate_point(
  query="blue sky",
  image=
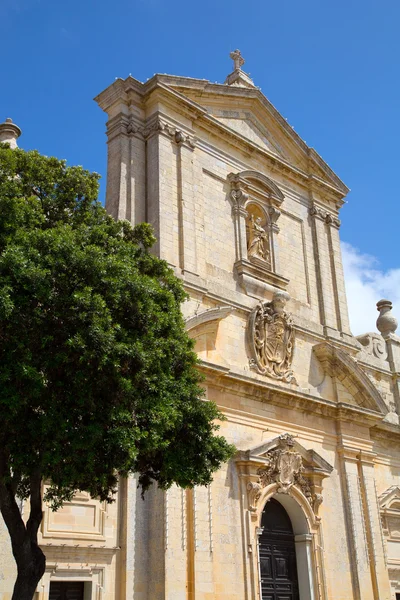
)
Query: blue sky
[{"x": 331, "y": 68}]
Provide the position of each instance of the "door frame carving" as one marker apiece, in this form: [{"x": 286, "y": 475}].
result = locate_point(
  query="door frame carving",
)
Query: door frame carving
[{"x": 261, "y": 478}]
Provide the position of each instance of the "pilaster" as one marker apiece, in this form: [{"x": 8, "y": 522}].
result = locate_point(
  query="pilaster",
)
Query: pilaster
[
  {"x": 355, "y": 526},
  {"x": 125, "y": 195},
  {"x": 339, "y": 289},
  {"x": 186, "y": 204},
  {"x": 323, "y": 272},
  {"x": 379, "y": 572}
]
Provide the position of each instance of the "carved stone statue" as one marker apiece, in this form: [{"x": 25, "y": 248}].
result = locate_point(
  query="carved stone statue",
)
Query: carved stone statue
[
  {"x": 271, "y": 336},
  {"x": 258, "y": 242}
]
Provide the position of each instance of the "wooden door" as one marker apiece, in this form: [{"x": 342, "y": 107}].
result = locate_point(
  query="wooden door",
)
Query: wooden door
[
  {"x": 66, "y": 590},
  {"x": 277, "y": 555}
]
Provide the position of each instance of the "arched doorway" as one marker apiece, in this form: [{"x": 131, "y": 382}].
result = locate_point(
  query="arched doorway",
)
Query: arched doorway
[{"x": 277, "y": 554}]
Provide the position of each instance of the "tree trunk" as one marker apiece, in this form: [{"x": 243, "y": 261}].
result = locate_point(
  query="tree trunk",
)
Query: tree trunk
[{"x": 31, "y": 562}]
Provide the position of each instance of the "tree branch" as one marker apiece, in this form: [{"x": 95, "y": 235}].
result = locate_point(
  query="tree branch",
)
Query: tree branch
[{"x": 36, "y": 513}]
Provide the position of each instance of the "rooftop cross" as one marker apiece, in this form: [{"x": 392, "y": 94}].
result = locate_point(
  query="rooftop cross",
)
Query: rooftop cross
[{"x": 237, "y": 58}]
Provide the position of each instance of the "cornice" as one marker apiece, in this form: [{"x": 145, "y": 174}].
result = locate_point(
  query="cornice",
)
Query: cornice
[
  {"x": 290, "y": 397},
  {"x": 386, "y": 431}
]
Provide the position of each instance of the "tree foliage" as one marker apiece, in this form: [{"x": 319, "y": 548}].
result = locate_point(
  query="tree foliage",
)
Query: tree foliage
[{"x": 98, "y": 376}]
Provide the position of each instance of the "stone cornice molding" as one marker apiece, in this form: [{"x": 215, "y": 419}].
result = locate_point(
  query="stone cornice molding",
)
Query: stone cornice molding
[
  {"x": 289, "y": 396},
  {"x": 123, "y": 124},
  {"x": 345, "y": 368},
  {"x": 212, "y": 314}
]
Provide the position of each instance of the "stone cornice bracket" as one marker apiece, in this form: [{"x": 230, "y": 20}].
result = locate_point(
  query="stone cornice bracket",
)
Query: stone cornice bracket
[
  {"x": 156, "y": 125},
  {"x": 325, "y": 216},
  {"x": 274, "y": 215},
  {"x": 184, "y": 140}
]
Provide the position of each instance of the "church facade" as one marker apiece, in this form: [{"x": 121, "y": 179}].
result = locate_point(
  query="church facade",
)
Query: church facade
[{"x": 247, "y": 215}]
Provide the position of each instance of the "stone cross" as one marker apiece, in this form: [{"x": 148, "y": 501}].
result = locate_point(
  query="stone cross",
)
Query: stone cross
[{"x": 238, "y": 60}]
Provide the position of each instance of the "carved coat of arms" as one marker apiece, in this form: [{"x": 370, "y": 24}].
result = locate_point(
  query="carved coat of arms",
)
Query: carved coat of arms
[
  {"x": 271, "y": 336},
  {"x": 285, "y": 467}
]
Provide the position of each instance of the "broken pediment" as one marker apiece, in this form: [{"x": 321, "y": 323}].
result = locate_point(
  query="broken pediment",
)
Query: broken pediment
[
  {"x": 203, "y": 328},
  {"x": 337, "y": 363},
  {"x": 283, "y": 463}
]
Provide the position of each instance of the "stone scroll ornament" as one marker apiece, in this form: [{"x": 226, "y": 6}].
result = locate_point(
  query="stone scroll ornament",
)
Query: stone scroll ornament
[{"x": 271, "y": 338}]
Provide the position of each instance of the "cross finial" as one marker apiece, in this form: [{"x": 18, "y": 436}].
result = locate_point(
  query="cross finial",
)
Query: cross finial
[{"x": 238, "y": 59}]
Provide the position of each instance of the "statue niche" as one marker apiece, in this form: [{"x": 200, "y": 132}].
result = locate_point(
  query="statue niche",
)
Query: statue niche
[
  {"x": 271, "y": 338},
  {"x": 258, "y": 238}
]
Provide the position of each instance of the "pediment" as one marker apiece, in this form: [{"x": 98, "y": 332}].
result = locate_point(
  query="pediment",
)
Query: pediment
[
  {"x": 312, "y": 461},
  {"x": 337, "y": 363},
  {"x": 250, "y": 114},
  {"x": 246, "y": 124},
  {"x": 390, "y": 499}
]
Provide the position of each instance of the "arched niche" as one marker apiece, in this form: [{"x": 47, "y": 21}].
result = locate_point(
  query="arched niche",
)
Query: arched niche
[{"x": 255, "y": 201}]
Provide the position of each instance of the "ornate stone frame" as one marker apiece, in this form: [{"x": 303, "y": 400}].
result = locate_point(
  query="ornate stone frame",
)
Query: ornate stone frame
[
  {"x": 252, "y": 187},
  {"x": 389, "y": 505},
  {"x": 260, "y": 480}
]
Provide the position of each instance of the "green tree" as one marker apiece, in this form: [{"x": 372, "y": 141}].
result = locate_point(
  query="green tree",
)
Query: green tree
[{"x": 98, "y": 377}]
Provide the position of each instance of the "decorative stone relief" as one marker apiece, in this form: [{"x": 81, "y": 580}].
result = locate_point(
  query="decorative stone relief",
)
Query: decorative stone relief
[
  {"x": 282, "y": 465},
  {"x": 159, "y": 126},
  {"x": 373, "y": 344},
  {"x": 271, "y": 338},
  {"x": 285, "y": 467}
]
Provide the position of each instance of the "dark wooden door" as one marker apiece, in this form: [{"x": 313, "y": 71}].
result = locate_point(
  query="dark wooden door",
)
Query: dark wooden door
[
  {"x": 277, "y": 555},
  {"x": 66, "y": 590}
]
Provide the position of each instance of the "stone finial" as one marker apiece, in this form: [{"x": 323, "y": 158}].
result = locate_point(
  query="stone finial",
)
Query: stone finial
[
  {"x": 238, "y": 60},
  {"x": 386, "y": 322},
  {"x": 238, "y": 77},
  {"x": 9, "y": 132}
]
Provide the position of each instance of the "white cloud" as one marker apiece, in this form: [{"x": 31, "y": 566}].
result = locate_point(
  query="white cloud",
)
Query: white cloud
[{"x": 366, "y": 283}]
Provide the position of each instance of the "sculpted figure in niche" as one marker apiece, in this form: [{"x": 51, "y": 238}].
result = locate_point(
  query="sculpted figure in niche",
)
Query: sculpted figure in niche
[
  {"x": 258, "y": 240},
  {"x": 272, "y": 338}
]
